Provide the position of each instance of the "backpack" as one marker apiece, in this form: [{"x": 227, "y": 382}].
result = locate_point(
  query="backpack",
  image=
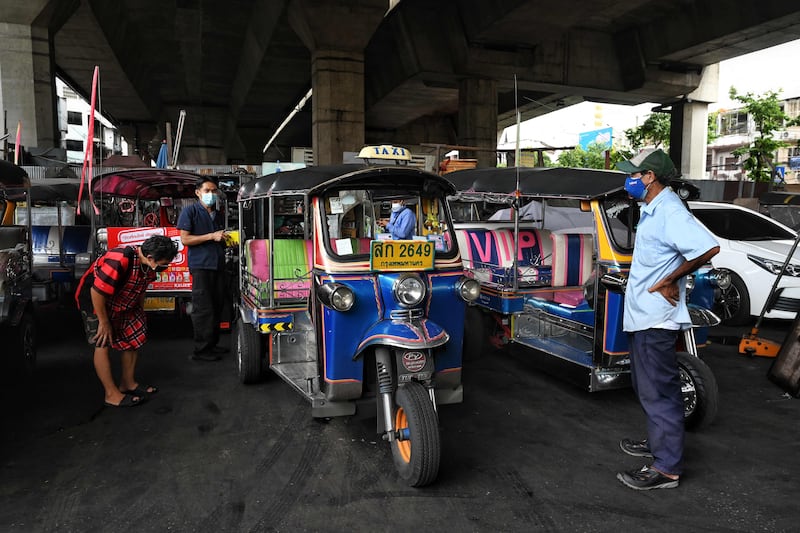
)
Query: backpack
[{"x": 83, "y": 294}]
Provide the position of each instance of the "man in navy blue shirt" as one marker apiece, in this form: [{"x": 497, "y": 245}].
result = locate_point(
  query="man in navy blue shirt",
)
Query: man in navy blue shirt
[{"x": 202, "y": 232}]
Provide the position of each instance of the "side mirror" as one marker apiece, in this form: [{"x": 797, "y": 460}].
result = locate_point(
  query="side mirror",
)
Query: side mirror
[{"x": 614, "y": 281}]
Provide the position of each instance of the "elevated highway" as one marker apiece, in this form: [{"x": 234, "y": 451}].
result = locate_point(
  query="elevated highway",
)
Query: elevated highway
[{"x": 418, "y": 71}]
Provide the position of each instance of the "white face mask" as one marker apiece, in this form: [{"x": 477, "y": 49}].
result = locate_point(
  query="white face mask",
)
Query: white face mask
[
  {"x": 396, "y": 206},
  {"x": 208, "y": 199}
]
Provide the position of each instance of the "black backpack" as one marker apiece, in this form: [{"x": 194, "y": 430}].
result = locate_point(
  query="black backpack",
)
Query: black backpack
[{"x": 83, "y": 294}]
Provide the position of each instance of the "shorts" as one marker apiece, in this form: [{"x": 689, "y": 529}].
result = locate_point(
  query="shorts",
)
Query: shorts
[{"x": 90, "y": 323}]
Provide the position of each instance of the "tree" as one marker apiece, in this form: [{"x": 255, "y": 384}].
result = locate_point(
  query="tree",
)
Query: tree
[
  {"x": 654, "y": 131},
  {"x": 768, "y": 117},
  {"x": 593, "y": 157}
]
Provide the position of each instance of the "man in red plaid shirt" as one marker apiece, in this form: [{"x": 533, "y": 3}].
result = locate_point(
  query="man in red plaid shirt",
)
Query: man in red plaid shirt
[{"x": 115, "y": 318}]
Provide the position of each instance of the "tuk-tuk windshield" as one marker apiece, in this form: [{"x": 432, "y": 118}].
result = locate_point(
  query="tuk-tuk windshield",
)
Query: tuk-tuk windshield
[{"x": 354, "y": 217}]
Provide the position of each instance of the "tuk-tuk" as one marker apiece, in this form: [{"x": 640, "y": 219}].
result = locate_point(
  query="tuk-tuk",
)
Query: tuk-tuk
[
  {"x": 346, "y": 315},
  {"x": 17, "y": 324},
  {"x": 551, "y": 248},
  {"x": 132, "y": 205}
]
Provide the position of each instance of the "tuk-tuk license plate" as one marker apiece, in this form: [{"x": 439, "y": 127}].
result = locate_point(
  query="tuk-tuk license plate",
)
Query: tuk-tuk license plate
[
  {"x": 159, "y": 303},
  {"x": 401, "y": 255}
]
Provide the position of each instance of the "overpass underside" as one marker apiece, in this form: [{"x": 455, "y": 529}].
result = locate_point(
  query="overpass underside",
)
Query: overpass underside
[{"x": 447, "y": 71}]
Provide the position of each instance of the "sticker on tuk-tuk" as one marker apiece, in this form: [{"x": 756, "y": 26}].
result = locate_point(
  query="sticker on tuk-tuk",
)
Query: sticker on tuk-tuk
[{"x": 392, "y": 256}]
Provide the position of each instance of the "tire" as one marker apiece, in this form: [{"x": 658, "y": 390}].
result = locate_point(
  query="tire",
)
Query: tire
[
  {"x": 700, "y": 392},
  {"x": 478, "y": 329},
  {"x": 24, "y": 346},
  {"x": 249, "y": 353},
  {"x": 734, "y": 307},
  {"x": 417, "y": 457}
]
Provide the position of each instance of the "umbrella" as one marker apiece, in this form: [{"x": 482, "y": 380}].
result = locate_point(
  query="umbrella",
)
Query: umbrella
[{"x": 161, "y": 160}]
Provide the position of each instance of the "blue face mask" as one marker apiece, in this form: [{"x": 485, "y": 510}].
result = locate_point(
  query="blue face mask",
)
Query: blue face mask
[
  {"x": 208, "y": 199},
  {"x": 636, "y": 188}
]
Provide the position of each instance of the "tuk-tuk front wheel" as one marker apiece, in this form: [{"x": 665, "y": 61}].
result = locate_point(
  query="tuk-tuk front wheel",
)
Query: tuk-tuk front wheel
[
  {"x": 418, "y": 449},
  {"x": 249, "y": 352},
  {"x": 699, "y": 389}
]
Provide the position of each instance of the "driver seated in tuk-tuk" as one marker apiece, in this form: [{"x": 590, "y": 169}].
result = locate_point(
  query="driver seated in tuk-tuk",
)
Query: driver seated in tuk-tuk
[{"x": 402, "y": 223}]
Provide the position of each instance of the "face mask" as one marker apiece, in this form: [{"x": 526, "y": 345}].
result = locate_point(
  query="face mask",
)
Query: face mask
[
  {"x": 208, "y": 199},
  {"x": 397, "y": 207},
  {"x": 161, "y": 268},
  {"x": 636, "y": 188}
]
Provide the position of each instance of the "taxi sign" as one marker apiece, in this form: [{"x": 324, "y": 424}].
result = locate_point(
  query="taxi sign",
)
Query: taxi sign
[
  {"x": 385, "y": 151},
  {"x": 392, "y": 256}
]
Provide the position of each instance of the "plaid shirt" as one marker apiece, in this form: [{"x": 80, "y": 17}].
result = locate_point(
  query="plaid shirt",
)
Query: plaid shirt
[{"x": 123, "y": 297}]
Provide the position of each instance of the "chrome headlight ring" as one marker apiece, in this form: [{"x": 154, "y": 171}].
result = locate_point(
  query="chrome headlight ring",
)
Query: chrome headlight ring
[
  {"x": 336, "y": 296},
  {"x": 409, "y": 290},
  {"x": 468, "y": 289}
]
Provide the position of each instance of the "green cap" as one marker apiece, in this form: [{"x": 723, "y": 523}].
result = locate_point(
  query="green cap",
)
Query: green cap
[{"x": 652, "y": 159}]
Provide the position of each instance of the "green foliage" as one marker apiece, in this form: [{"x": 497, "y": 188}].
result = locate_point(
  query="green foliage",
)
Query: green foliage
[
  {"x": 713, "y": 129},
  {"x": 654, "y": 131},
  {"x": 594, "y": 157},
  {"x": 768, "y": 117}
]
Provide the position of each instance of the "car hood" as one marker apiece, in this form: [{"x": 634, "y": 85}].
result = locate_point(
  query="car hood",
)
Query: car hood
[{"x": 775, "y": 250}]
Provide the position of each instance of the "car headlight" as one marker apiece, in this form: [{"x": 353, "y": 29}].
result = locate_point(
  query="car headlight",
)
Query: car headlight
[
  {"x": 720, "y": 277},
  {"x": 409, "y": 290},
  {"x": 689, "y": 283},
  {"x": 774, "y": 267},
  {"x": 336, "y": 296},
  {"x": 468, "y": 289}
]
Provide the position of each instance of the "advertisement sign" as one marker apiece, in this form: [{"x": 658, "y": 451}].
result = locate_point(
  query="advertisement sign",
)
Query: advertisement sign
[
  {"x": 176, "y": 278},
  {"x": 794, "y": 162},
  {"x": 601, "y": 137}
]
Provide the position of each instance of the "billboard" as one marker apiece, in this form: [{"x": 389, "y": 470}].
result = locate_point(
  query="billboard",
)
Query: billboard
[{"x": 601, "y": 137}]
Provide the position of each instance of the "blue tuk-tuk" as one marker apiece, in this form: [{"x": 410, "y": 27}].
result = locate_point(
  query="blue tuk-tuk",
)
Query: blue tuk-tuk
[
  {"x": 345, "y": 314},
  {"x": 551, "y": 248}
]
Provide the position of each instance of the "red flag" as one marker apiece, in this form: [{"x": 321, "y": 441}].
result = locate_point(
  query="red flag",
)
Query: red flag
[{"x": 16, "y": 146}]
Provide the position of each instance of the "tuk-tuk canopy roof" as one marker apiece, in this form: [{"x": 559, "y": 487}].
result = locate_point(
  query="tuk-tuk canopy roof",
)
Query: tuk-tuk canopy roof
[
  {"x": 558, "y": 182},
  {"x": 314, "y": 180},
  {"x": 146, "y": 183},
  {"x": 12, "y": 176}
]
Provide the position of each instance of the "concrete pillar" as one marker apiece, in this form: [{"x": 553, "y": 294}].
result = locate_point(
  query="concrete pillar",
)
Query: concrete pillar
[
  {"x": 27, "y": 84},
  {"x": 336, "y": 33},
  {"x": 690, "y": 126},
  {"x": 688, "y": 143},
  {"x": 477, "y": 119}
]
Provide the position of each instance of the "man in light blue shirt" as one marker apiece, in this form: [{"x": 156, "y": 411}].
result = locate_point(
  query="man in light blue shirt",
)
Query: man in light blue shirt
[
  {"x": 402, "y": 223},
  {"x": 670, "y": 244}
]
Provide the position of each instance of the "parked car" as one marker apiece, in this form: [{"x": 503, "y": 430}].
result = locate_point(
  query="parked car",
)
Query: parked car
[{"x": 753, "y": 247}]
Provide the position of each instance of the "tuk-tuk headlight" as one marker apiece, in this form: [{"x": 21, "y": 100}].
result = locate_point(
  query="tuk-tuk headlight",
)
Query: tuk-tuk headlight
[
  {"x": 468, "y": 289},
  {"x": 336, "y": 296},
  {"x": 689, "y": 284},
  {"x": 409, "y": 290},
  {"x": 102, "y": 236}
]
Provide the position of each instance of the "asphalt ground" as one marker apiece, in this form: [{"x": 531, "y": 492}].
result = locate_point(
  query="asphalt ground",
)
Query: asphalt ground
[{"x": 524, "y": 452}]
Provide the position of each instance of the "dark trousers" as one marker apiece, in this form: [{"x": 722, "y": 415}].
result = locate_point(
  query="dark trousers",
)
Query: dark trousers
[
  {"x": 656, "y": 381},
  {"x": 207, "y": 301}
]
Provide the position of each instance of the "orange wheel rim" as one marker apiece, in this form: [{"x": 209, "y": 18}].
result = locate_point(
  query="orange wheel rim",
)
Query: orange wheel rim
[{"x": 400, "y": 423}]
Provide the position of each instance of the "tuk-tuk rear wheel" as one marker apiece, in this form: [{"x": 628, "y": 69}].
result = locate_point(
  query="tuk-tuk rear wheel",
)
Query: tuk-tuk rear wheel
[
  {"x": 417, "y": 457},
  {"x": 699, "y": 389},
  {"x": 249, "y": 352}
]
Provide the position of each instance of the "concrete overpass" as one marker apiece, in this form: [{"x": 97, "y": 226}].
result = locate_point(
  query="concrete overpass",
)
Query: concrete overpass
[{"x": 418, "y": 71}]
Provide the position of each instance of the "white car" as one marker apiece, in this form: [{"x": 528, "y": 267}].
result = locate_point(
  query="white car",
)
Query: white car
[{"x": 754, "y": 248}]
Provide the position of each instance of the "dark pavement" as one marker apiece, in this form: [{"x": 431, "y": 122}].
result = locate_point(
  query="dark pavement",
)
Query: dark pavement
[{"x": 524, "y": 452}]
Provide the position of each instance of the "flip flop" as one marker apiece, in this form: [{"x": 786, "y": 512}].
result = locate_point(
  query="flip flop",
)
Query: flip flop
[
  {"x": 127, "y": 401},
  {"x": 144, "y": 392}
]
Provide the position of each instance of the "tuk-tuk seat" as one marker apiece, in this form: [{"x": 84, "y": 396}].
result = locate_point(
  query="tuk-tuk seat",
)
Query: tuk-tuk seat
[
  {"x": 292, "y": 268},
  {"x": 359, "y": 245},
  {"x": 488, "y": 254},
  {"x": 572, "y": 258}
]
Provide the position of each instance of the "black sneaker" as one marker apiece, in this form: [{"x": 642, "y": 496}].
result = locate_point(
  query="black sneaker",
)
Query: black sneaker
[
  {"x": 646, "y": 479},
  {"x": 637, "y": 448}
]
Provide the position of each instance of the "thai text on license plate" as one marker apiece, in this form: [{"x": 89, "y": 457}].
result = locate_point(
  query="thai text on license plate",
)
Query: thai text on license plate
[{"x": 401, "y": 255}]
